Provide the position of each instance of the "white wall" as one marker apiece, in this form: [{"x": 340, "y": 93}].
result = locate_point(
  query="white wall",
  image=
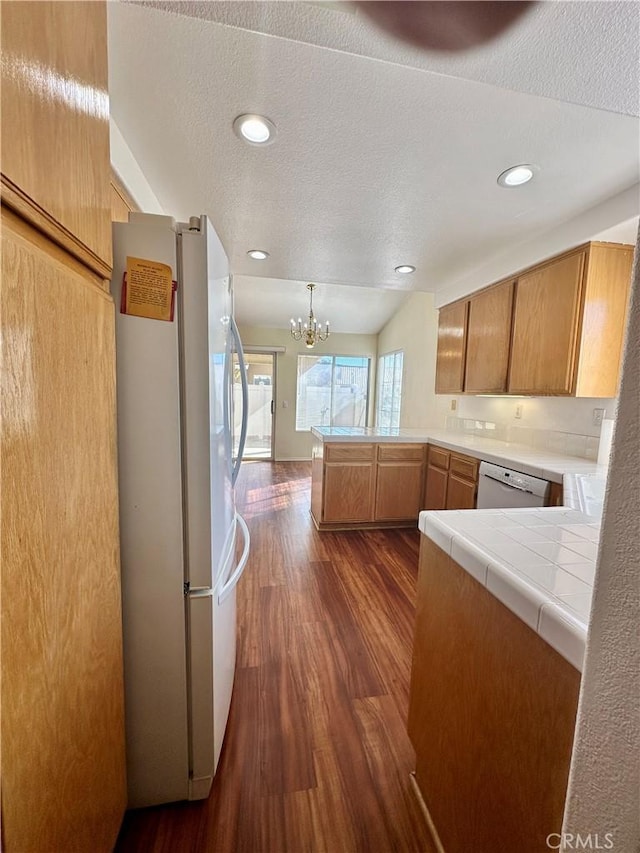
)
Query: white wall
[
  {"x": 414, "y": 330},
  {"x": 604, "y": 782},
  {"x": 290, "y": 444},
  {"x": 128, "y": 170}
]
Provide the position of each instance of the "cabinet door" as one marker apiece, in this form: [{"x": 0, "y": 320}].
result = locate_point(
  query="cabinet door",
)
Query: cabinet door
[
  {"x": 63, "y": 760},
  {"x": 435, "y": 495},
  {"x": 348, "y": 492},
  {"x": 398, "y": 491},
  {"x": 461, "y": 494},
  {"x": 55, "y": 123},
  {"x": 545, "y": 328},
  {"x": 488, "y": 339},
  {"x": 606, "y": 300},
  {"x": 452, "y": 337}
]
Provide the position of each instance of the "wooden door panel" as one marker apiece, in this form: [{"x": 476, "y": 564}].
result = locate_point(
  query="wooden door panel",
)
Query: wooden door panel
[
  {"x": 461, "y": 494},
  {"x": 63, "y": 774},
  {"x": 435, "y": 496},
  {"x": 55, "y": 122},
  {"x": 604, "y": 319},
  {"x": 398, "y": 491},
  {"x": 348, "y": 492},
  {"x": 488, "y": 339},
  {"x": 545, "y": 327},
  {"x": 452, "y": 337}
]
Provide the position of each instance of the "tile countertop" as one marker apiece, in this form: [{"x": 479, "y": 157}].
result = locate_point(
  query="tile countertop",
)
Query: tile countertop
[
  {"x": 520, "y": 457},
  {"x": 538, "y": 563}
]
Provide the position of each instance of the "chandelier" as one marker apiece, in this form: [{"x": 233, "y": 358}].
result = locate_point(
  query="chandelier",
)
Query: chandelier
[{"x": 311, "y": 331}]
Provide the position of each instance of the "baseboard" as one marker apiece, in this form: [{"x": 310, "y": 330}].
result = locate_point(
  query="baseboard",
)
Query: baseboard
[
  {"x": 293, "y": 459},
  {"x": 427, "y": 816}
]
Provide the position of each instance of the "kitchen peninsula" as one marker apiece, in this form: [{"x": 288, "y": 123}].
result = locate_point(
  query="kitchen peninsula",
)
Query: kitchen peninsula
[{"x": 383, "y": 477}]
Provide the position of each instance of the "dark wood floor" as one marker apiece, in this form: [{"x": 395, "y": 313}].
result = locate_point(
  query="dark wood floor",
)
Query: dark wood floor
[{"x": 316, "y": 756}]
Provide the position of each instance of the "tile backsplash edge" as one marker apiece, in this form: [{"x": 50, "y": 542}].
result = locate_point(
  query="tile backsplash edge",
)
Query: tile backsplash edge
[{"x": 555, "y": 441}]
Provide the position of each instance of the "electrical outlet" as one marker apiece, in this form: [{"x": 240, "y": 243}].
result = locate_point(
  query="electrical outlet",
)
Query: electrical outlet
[
  {"x": 453, "y": 405},
  {"x": 598, "y": 415},
  {"x": 285, "y": 404},
  {"x": 518, "y": 413}
]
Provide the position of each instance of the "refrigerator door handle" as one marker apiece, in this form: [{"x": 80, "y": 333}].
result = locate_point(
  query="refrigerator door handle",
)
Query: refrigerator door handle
[
  {"x": 245, "y": 401},
  {"x": 230, "y": 584}
]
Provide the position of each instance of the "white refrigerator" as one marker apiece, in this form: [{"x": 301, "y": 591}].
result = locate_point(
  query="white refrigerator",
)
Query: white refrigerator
[{"x": 178, "y": 520}]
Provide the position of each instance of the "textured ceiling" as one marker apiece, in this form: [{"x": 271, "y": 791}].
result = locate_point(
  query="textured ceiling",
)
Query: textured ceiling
[
  {"x": 378, "y": 161},
  {"x": 550, "y": 52}
]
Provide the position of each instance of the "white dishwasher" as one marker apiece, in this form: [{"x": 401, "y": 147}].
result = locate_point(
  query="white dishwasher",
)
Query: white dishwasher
[{"x": 501, "y": 488}]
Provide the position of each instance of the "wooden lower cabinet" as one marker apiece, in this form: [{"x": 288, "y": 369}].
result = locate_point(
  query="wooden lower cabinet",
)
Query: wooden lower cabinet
[
  {"x": 451, "y": 481},
  {"x": 398, "y": 490},
  {"x": 491, "y": 716},
  {"x": 461, "y": 493},
  {"x": 556, "y": 495},
  {"x": 370, "y": 484},
  {"x": 435, "y": 496},
  {"x": 348, "y": 491},
  {"x": 63, "y": 758}
]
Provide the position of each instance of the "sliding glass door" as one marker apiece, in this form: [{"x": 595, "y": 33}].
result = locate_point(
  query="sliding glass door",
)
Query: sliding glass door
[{"x": 261, "y": 377}]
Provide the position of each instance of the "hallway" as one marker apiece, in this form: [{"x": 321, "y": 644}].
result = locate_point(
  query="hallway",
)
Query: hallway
[{"x": 316, "y": 756}]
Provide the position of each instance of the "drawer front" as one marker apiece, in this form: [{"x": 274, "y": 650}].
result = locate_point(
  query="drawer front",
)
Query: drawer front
[
  {"x": 349, "y": 452},
  {"x": 439, "y": 458},
  {"x": 400, "y": 452},
  {"x": 464, "y": 467}
]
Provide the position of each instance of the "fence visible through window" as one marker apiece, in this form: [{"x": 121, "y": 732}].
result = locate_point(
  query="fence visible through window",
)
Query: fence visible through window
[{"x": 332, "y": 390}]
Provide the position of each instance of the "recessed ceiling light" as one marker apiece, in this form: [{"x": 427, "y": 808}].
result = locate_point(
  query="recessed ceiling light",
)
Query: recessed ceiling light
[
  {"x": 517, "y": 175},
  {"x": 405, "y": 268},
  {"x": 258, "y": 254},
  {"x": 254, "y": 129}
]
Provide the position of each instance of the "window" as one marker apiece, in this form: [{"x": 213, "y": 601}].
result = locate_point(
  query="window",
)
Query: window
[
  {"x": 389, "y": 389},
  {"x": 333, "y": 390}
]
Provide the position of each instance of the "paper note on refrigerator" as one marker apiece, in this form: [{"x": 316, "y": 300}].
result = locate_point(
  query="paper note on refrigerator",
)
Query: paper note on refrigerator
[{"x": 148, "y": 290}]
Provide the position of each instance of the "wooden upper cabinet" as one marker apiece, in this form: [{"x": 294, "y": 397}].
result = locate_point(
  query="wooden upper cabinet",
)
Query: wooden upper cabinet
[
  {"x": 452, "y": 338},
  {"x": 557, "y": 330},
  {"x": 488, "y": 339},
  {"x": 55, "y": 124},
  {"x": 604, "y": 315},
  {"x": 569, "y": 322},
  {"x": 545, "y": 324}
]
